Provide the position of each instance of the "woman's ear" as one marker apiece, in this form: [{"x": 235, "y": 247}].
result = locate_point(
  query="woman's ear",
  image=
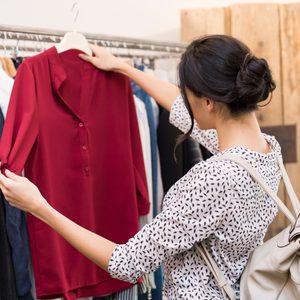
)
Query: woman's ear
[{"x": 209, "y": 104}]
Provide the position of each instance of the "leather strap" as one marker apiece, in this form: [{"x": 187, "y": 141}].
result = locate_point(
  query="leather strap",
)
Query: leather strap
[
  {"x": 290, "y": 190},
  {"x": 217, "y": 273},
  {"x": 201, "y": 249}
]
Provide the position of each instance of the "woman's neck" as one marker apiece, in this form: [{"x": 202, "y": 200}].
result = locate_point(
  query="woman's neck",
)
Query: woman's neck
[{"x": 243, "y": 131}]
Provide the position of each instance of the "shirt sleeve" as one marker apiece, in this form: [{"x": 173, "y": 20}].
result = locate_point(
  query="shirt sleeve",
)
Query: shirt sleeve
[
  {"x": 21, "y": 124},
  {"x": 193, "y": 211},
  {"x": 180, "y": 118}
]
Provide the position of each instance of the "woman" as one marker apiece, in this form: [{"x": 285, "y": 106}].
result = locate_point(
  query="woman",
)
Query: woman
[{"x": 221, "y": 84}]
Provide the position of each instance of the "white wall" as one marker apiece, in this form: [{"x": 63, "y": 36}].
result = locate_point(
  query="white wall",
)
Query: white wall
[{"x": 154, "y": 19}]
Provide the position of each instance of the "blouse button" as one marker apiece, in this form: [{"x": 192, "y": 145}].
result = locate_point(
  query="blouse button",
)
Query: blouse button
[
  {"x": 83, "y": 147},
  {"x": 80, "y": 124}
]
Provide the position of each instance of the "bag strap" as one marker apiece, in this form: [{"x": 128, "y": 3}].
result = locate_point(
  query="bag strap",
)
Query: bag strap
[
  {"x": 290, "y": 190},
  {"x": 201, "y": 249},
  {"x": 217, "y": 273},
  {"x": 264, "y": 185}
]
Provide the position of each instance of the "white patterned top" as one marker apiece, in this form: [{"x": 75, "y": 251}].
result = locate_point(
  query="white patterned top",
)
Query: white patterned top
[{"x": 216, "y": 201}]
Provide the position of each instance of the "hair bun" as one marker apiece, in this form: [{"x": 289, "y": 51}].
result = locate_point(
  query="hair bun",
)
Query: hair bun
[{"x": 254, "y": 81}]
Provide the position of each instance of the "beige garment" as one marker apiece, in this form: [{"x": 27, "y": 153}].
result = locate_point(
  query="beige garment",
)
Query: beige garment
[
  {"x": 4, "y": 66},
  {"x": 12, "y": 72}
]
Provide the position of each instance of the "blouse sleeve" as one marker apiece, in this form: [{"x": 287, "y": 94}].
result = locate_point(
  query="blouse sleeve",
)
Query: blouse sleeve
[
  {"x": 180, "y": 118},
  {"x": 194, "y": 211},
  {"x": 21, "y": 125}
]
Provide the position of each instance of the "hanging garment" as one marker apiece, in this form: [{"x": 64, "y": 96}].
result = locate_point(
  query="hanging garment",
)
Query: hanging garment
[
  {"x": 5, "y": 90},
  {"x": 7, "y": 277},
  {"x": 141, "y": 94},
  {"x": 132, "y": 293},
  {"x": 17, "y": 61},
  {"x": 160, "y": 191},
  {"x": 14, "y": 218},
  {"x": 74, "y": 128},
  {"x": 167, "y": 68},
  {"x": 3, "y": 65},
  {"x": 166, "y": 137},
  {"x": 12, "y": 72},
  {"x": 18, "y": 239},
  {"x": 148, "y": 283},
  {"x": 158, "y": 275},
  {"x": 129, "y": 294},
  {"x": 146, "y": 147},
  {"x": 191, "y": 154}
]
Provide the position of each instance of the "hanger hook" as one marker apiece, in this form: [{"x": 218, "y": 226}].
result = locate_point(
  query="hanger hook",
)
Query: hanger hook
[
  {"x": 4, "y": 42},
  {"x": 15, "y": 50},
  {"x": 75, "y": 5}
]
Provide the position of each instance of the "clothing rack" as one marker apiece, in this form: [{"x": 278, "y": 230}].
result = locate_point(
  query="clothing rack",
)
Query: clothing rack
[{"x": 48, "y": 36}]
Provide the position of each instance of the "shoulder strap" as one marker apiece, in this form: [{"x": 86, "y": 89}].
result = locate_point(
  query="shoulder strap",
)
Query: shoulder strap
[
  {"x": 290, "y": 190},
  {"x": 263, "y": 184},
  {"x": 217, "y": 273}
]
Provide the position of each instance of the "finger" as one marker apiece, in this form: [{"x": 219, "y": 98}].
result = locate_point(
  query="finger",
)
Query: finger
[
  {"x": 86, "y": 57},
  {"x": 10, "y": 199},
  {"x": 4, "y": 181},
  {"x": 12, "y": 175},
  {"x": 5, "y": 193},
  {"x": 95, "y": 48}
]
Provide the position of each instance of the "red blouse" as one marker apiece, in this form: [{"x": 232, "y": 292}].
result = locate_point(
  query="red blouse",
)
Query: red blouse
[{"x": 73, "y": 128}]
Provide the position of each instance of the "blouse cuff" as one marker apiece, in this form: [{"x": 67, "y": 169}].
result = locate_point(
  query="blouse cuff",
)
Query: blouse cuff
[{"x": 118, "y": 265}]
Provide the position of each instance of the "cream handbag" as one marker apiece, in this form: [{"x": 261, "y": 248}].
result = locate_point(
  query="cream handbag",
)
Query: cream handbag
[{"x": 273, "y": 268}]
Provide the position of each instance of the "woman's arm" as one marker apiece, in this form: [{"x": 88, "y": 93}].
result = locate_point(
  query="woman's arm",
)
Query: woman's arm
[
  {"x": 183, "y": 222},
  {"x": 163, "y": 92},
  {"x": 21, "y": 193}
]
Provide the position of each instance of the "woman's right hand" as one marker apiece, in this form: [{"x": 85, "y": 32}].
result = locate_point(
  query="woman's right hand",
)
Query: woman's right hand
[
  {"x": 162, "y": 91},
  {"x": 102, "y": 59}
]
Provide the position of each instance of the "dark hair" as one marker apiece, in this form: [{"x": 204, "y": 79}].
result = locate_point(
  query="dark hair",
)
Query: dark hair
[{"x": 223, "y": 69}]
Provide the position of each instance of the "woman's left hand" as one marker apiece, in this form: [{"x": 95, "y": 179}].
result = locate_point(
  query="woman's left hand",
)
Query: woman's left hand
[{"x": 22, "y": 193}]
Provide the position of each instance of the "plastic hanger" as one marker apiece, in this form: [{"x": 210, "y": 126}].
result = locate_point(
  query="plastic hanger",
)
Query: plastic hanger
[{"x": 74, "y": 40}]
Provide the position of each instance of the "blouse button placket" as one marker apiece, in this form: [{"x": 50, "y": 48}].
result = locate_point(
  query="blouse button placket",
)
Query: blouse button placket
[{"x": 83, "y": 146}]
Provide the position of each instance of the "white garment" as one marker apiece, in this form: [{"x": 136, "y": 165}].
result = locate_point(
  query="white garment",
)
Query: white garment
[
  {"x": 6, "y": 85},
  {"x": 160, "y": 189},
  {"x": 217, "y": 202},
  {"x": 169, "y": 66},
  {"x": 146, "y": 147}
]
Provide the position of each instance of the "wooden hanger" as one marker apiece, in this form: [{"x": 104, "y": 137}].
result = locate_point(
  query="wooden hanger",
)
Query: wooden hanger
[
  {"x": 4, "y": 66},
  {"x": 12, "y": 72}
]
